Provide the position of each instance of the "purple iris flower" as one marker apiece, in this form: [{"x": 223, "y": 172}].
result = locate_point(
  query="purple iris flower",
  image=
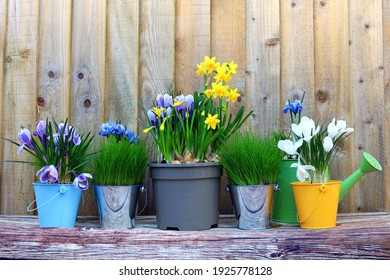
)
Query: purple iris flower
[
  {"x": 40, "y": 131},
  {"x": 81, "y": 180},
  {"x": 48, "y": 174},
  {"x": 117, "y": 129},
  {"x": 153, "y": 118},
  {"x": 24, "y": 137},
  {"x": 131, "y": 136},
  {"x": 105, "y": 128},
  {"x": 294, "y": 107},
  {"x": 164, "y": 101}
]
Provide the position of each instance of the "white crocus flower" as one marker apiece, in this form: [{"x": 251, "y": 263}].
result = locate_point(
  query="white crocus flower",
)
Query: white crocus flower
[
  {"x": 302, "y": 170},
  {"x": 338, "y": 128},
  {"x": 306, "y": 129},
  {"x": 289, "y": 147},
  {"x": 327, "y": 144}
]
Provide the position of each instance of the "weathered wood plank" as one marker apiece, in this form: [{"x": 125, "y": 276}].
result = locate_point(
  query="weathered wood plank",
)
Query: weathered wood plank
[
  {"x": 3, "y": 31},
  {"x": 88, "y": 72},
  {"x": 366, "y": 58},
  {"x": 157, "y": 60},
  {"x": 386, "y": 124},
  {"x": 19, "y": 101},
  {"x": 297, "y": 52},
  {"x": 121, "y": 67},
  {"x": 332, "y": 78},
  {"x": 263, "y": 64},
  {"x": 54, "y": 59},
  {"x": 192, "y": 29},
  {"x": 357, "y": 236}
]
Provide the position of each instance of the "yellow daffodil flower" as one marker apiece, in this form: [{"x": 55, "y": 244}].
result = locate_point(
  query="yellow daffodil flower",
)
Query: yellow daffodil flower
[
  {"x": 208, "y": 93},
  {"x": 222, "y": 74},
  {"x": 219, "y": 90},
  {"x": 232, "y": 95},
  {"x": 232, "y": 68},
  {"x": 212, "y": 121},
  {"x": 148, "y": 129},
  {"x": 158, "y": 111},
  {"x": 177, "y": 103}
]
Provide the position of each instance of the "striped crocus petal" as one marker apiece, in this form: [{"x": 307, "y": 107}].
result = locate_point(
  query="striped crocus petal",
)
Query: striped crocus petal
[
  {"x": 81, "y": 181},
  {"x": 24, "y": 137},
  {"x": 48, "y": 174}
]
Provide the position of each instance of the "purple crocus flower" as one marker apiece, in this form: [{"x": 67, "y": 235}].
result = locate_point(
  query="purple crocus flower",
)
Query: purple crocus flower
[
  {"x": 189, "y": 99},
  {"x": 76, "y": 137},
  {"x": 294, "y": 107},
  {"x": 181, "y": 109},
  {"x": 24, "y": 137},
  {"x": 40, "y": 131},
  {"x": 153, "y": 118},
  {"x": 81, "y": 180},
  {"x": 164, "y": 101},
  {"x": 48, "y": 174}
]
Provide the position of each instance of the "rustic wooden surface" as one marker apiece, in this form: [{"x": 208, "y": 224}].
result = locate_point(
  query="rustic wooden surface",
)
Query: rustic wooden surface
[
  {"x": 92, "y": 60},
  {"x": 357, "y": 236}
]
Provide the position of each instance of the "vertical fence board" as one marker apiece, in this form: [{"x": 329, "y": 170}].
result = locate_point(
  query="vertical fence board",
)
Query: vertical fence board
[
  {"x": 121, "y": 77},
  {"x": 88, "y": 62},
  {"x": 263, "y": 64},
  {"x": 20, "y": 85},
  {"x": 332, "y": 85},
  {"x": 157, "y": 58},
  {"x": 54, "y": 59},
  {"x": 228, "y": 43},
  {"x": 3, "y": 29},
  {"x": 366, "y": 54},
  {"x": 297, "y": 52},
  {"x": 192, "y": 29},
  {"x": 386, "y": 66}
]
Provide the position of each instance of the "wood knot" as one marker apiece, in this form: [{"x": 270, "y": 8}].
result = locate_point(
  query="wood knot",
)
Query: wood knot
[
  {"x": 80, "y": 75},
  {"x": 41, "y": 101},
  {"x": 322, "y": 95},
  {"x": 25, "y": 53},
  {"x": 51, "y": 74},
  {"x": 323, "y": 3},
  {"x": 293, "y": 4},
  {"x": 272, "y": 42},
  {"x": 87, "y": 103},
  {"x": 8, "y": 59}
]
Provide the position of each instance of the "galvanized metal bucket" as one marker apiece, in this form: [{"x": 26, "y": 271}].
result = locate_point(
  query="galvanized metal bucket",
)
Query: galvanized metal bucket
[
  {"x": 117, "y": 205},
  {"x": 252, "y": 205}
]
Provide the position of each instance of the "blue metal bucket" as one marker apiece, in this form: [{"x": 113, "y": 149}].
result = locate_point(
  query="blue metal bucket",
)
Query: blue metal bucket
[{"x": 57, "y": 204}]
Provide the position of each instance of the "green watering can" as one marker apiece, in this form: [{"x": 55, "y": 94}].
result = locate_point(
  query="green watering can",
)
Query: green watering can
[{"x": 283, "y": 208}]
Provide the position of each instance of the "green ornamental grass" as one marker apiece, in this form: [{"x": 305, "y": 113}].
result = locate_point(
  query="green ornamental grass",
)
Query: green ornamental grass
[
  {"x": 121, "y": 161},
  {"x": 251, "y": 159}
]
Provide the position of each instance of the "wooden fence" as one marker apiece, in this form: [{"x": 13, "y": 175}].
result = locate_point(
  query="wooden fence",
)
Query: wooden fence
[{"x": 92, "y": 60}]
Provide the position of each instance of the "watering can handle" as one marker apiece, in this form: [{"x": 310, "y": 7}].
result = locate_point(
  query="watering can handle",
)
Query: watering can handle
[{"x": 62, "y": 190}]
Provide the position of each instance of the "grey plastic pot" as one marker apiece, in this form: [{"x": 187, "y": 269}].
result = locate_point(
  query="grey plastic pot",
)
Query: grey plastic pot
[
  {"x": 117, "y": 205},
  {"x": 252, "y": 205},
  {"x": 186, "y": 195}
]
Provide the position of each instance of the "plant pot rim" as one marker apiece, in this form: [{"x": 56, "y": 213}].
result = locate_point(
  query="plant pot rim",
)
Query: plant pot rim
[
  {"x": 257, "y": 185},
  {"x": 122, "y": 186},
  {"x": 316, "y": 184},
  {"x": 184, "y": 165}
]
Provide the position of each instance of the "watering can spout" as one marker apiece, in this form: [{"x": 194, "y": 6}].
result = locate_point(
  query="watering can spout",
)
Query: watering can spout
[{"x": 367, "y": 164}]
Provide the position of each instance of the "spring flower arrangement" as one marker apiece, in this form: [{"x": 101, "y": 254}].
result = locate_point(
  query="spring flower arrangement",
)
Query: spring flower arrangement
[
  {"x": 122, "y": 158},
  {"x": 58, "y": 151},
  {"x": 314, "y": 145},
  {"x": 192, "y": 128}
]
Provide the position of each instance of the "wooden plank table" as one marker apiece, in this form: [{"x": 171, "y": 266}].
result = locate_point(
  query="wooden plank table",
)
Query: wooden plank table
[{"x": 357, "y": 236}]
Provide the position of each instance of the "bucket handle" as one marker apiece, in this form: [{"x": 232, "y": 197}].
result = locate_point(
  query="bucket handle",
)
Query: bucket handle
[
  {"x": 142, "y": 189},
  {"x": 322, "y": 189},
  {"x": 62, "y": 190}
]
